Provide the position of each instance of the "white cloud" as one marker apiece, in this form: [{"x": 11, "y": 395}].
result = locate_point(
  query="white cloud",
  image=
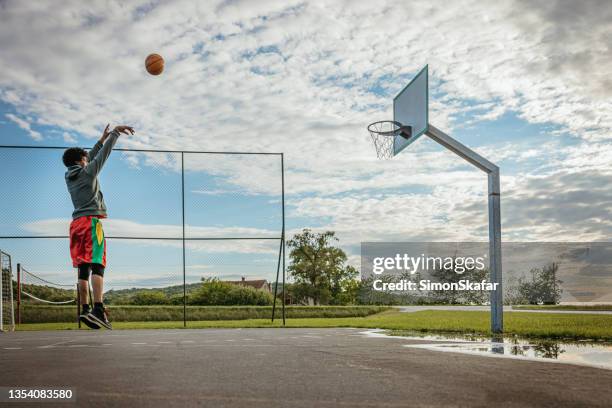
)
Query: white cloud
[
  {"x": 213, "y": 192},
  {"x": 199, "y": 266},
  {"x": 68, "y": 138},
  {"x": 25, "y": 125}
]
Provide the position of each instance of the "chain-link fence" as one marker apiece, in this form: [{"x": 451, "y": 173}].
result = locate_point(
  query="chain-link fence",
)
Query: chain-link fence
[{"x": 175, "y": 219}]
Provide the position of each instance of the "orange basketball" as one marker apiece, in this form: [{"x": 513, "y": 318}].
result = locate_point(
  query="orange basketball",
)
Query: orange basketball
[{"x": 154, "y": 64}]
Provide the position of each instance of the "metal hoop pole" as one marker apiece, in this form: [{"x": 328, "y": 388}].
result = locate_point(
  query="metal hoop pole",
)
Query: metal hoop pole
[
  {"x": 495, "y": 251},
  {"x": 183, "y": 222}
]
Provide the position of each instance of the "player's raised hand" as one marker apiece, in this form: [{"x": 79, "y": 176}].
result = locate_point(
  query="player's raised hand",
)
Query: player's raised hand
[
  {"x": 126, "y": 130},
  {"x": 105, "y": 133}
]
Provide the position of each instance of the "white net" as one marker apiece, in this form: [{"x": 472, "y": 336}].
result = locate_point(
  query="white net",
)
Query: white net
[
  {"x": 35, "y": 289},
  {"x": 383, "y": 136},
  {"x": 7, "y": 307}
]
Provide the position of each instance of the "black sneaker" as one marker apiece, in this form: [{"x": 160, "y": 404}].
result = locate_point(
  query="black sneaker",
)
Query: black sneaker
[
  {"x": 98, "y": 316},
  {"x": 84, "y": 317}
]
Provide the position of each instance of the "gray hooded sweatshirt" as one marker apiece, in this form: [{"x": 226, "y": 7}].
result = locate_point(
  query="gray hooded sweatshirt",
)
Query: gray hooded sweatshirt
[{"x": 83, "y": 182}]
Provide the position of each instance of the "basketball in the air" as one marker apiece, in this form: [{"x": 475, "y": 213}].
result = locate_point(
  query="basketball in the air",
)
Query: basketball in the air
[{"x": 154, "y": 64}]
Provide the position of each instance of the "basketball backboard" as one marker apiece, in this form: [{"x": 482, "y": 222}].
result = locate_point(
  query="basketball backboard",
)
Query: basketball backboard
[{"x": 411, "y": 108}]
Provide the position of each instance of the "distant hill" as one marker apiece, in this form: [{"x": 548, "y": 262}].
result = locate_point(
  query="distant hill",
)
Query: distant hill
[
  {"x": 173, "y": 294},
  {"x": 121, "y": 296}
]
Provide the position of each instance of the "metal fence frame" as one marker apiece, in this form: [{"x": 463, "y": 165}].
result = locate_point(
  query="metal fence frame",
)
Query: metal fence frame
[
  {"x": 11, "y": 323},
  {"x": 281, "y": 251}
]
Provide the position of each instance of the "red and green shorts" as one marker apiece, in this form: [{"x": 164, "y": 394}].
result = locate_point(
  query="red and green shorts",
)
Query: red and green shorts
[{"x": 87, "y": 241}]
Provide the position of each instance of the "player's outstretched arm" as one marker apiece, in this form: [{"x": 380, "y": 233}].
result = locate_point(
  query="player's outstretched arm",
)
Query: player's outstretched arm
[
  {"x": 94, "y": 150},
  {"x": 95, "y": 166}
]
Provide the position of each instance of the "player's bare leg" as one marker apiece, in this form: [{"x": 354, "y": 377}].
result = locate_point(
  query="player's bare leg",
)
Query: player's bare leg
[
  {"x": 84, "y": 271},
  {"x": 83, "y": 294},
  {"x": 97, "y": 282},
  {"x": 98, "y": 314}
]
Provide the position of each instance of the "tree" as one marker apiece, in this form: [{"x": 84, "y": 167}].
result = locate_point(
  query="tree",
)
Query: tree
[
  {"x": 368, "y": 296},
  {"x": 512, "y": 292},
  {"x": 320, "y": 265},
  {"x": 447, "y": 274},
  {"x": 476, "y": 297},
  {"x": 301, "y": 292},
  {"x": 543, "y": 288},
  {"x": 350, "y": 292},
  {"x": 550, "y": 286}
]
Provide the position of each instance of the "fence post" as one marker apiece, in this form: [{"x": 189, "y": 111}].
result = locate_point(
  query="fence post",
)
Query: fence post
[
  {"x": 91, "y": 299},
  {"x": 278, "y": 264},
  {"x": 1, "y": 294},
  {"x": 183, "y": 222},
  {"x": 283, "y": 233},
  {"x": 18, "y": 293},
  {"x": 78, "y": 302}
]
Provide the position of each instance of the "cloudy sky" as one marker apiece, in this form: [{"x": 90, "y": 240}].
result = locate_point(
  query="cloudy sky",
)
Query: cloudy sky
[{"x": 525, "y": 83}]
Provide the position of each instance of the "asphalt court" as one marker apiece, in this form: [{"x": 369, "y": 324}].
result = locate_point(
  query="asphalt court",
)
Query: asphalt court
[{"x": 284, "y": 368}]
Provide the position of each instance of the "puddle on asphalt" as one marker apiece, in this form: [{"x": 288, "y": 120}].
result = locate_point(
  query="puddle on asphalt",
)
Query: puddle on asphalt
[{"x": 594, "y": 354}]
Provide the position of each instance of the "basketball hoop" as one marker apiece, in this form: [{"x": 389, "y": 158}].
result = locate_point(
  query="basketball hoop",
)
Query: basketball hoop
[{"x": 383, "y": 135}]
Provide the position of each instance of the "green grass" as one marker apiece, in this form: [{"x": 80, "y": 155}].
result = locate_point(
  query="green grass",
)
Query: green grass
[
  {"x": 542, "y": 325},
  {"x": 67, "y": 314},
  {"x": 565, "y": 307}
]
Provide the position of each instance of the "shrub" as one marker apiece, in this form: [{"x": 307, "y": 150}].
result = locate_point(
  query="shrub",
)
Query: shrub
[
  {"x": 217, "y": 293},
  {"x": 51, "y": 314},
  {"x": 543, "y": 288},
  {"x": 150, "y": 297}
]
